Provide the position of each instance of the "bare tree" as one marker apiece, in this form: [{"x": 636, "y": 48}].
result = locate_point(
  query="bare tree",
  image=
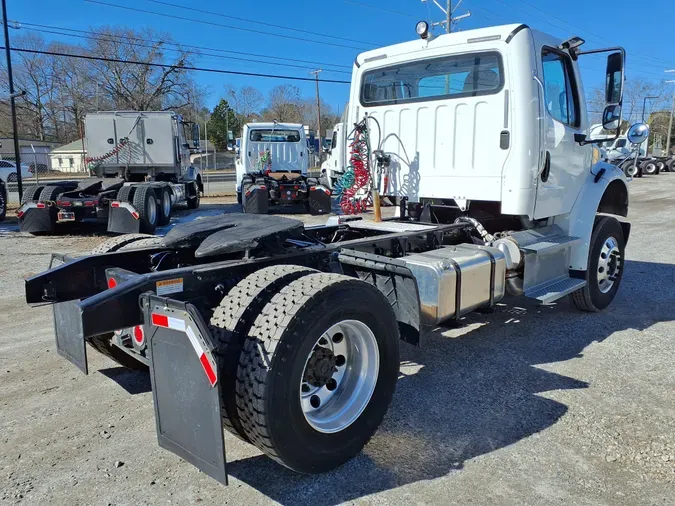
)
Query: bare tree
[
  {"x": 284, "y": 104},
  {"x": 246, "y": 101}
]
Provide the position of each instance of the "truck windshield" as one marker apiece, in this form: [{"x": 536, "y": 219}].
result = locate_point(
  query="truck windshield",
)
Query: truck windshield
[
  {"x": 270, "y": 135},
  {"x": 455, "y": 76}
]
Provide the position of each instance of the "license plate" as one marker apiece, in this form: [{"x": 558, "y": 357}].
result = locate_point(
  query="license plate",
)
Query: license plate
[{"x": 65, "y": 216}]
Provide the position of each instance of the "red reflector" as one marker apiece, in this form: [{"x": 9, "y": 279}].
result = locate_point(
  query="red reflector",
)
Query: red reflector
[
  {"x": 210, "y": 373},
  {"x": 115, "y": 204},
  {"x": 19, "y": 214},
  {"x": 160, "y": 320},
  {"x": 41, "y": 205},
  {"x": 248, "y": 193},
  {"x": 64, "y": 203},
  {"x": 89, "y": 203},
  {"x": 327, "y": 192},
  {"x": 296, "y": 187},
  {"x": 312, "y": 188},
  {"x": 135, "y": 215},
  {"x": 112, "y": 283},
  {"x": 139, "y": 336}
]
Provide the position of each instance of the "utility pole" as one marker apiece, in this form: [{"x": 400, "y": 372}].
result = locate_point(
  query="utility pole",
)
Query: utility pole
[
  {"x": 12, "y": 104},
  {"x": 670, "y": 123},
  {"x": 448, "y": 17},
  {"x": 448, "y": 11},
  {"x": 318, "y": 110}
]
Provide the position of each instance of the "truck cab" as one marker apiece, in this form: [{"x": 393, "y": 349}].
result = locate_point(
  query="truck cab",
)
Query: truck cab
[
  {"x": 493, "y": 122},
  {"x": 334, "y": 165},
  {"x": 272, "y": 147}
]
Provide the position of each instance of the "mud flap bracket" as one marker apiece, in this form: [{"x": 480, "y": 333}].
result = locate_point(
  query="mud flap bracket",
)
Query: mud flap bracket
[{"x": 187, "y": 406}]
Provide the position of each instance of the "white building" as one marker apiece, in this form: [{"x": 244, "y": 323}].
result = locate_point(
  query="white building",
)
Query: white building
[{"x": 69, "y": 157}]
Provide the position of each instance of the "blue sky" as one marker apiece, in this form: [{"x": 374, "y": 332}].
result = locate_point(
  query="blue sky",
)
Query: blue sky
[{"x": 355, "y": 23}]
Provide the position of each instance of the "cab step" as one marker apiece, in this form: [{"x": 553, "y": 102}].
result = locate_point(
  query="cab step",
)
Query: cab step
[
  {"x": 551, "y": 244},
  {"x": 555, "y": 290}
]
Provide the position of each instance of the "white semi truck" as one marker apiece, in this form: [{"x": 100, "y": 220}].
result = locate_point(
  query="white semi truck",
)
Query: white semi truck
[
  {"x": 288, "y": 336},
  {"x": 140, "y": 167},
  {"x": 272, "y": 169}
]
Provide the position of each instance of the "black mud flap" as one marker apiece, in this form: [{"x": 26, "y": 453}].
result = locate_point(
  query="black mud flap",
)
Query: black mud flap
[
  {"x": 70, "y": 342},
  {"x": 121, "y": 220},
  {"x": 255, "y": 199},
  {"x": 186, "y": 397},
  {"x": 36, "y": 220},
  {"x": 319, "y": 200}
]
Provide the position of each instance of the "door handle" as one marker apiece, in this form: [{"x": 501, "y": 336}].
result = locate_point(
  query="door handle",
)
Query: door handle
[{"x": 547, "y": 167}]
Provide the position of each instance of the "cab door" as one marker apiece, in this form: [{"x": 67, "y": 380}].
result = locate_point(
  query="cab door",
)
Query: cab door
[{"x": 564, "y": 161}]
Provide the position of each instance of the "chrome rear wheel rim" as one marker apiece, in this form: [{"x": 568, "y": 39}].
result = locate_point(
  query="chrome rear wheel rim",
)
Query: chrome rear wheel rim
[{"x": 340, "y": 376}]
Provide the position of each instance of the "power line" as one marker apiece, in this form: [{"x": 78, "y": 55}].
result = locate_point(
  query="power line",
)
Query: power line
[
  {"x": 179, "y": 45},
  {"x": 576, "y": 27},
  {"x": 212, "y": 23},
  {"x": 179, "y": 50},
  {"x": 178, "y": 67},
  {"x": 257, "y": 22}
]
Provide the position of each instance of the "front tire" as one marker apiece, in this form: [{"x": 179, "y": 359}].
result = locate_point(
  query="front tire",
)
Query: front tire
[
  {"x": 605, "y": 266},
  {"x": 288, "y": 350}
]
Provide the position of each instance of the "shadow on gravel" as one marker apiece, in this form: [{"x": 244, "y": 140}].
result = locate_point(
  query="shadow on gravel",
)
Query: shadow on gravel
[
  {"x": 134, "y": 382},
  {"x": 471, "y": 390}
]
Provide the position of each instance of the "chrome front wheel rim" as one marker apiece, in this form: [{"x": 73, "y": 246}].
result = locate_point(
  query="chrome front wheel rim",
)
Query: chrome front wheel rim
[
  {"x": 609, "y": 264},
  {"x": 340, "y": 376}
]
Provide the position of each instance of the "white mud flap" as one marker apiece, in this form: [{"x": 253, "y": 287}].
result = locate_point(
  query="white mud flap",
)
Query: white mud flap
[{"x": 184, "y": 375}]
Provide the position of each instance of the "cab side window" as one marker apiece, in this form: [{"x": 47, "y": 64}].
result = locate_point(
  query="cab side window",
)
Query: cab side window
[{"x": 560, "y": 88}]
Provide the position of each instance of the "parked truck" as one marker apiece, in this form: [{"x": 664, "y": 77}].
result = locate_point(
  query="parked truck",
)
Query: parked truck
[
  {"x": 272, "y": 170},
  {"x": 288, "y": 336},
  {"x": 140, "y": 167}
]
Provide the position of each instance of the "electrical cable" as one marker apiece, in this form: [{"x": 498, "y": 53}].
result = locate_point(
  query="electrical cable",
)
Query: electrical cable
[
  {"x": 135, "y": 44},
  {"x": 258, "y": 22},
  {"x": 178, "y": 67},
  {"x": 212, "y": 23},
  {"x": 179, "y": 45}
]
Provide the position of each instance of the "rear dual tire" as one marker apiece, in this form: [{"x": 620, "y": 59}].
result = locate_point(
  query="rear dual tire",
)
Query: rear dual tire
[{"x": 287, "y": 346}]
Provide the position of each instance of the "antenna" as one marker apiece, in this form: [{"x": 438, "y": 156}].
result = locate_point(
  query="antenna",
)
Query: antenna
[{"x": 449, "y": 18}]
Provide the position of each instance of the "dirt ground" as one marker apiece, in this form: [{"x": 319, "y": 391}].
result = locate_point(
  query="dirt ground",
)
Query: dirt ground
[{"x": 527, "y": 405}]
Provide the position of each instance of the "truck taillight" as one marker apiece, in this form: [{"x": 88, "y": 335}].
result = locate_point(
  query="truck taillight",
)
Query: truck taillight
[
  {"x": 41, "y": 205},
  {"x": 114, "y": 204},
  {"x": 63, "y": 203},
  {"x": 89, "y": 203}
]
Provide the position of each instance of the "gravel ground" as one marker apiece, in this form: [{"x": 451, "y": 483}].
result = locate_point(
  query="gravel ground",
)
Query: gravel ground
[{"x": 527, "y": 405}]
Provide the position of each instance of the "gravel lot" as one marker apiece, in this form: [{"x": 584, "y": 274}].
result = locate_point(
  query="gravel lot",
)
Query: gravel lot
[{"x": 527, "y": 405}]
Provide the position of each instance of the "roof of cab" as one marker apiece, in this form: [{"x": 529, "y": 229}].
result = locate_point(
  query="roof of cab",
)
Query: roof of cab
[
  {"x": 446, "y": 39},
  {"x": 272, "y": 124}
]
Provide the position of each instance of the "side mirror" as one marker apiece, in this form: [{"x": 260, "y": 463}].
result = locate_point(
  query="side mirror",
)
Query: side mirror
[
  {"x": 638, "y": 133},
  {"x": 611, "y": 117},
  {"x": 614, "y": 79},
  {"x": 195, "y": 134}
]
